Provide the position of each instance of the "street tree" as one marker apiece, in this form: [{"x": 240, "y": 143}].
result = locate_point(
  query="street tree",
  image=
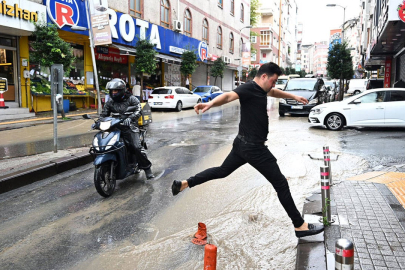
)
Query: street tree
[
  {"x": 188, "y": 63},
  {"x": 302, "y": 73},
  {"x": 217, "y": 69},
  {"x": 340, "y": 64},
  {"x": 48, "y": 48},
  {"x": 145, "y": 58},
  {"x": 254, "y": 14}
]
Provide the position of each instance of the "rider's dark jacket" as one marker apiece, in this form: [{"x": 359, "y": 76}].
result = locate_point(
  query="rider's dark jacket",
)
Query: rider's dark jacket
[{"x": 120, "y": 107}]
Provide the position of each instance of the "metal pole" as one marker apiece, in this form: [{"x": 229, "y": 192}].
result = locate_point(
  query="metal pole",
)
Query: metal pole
[
  {"x": 279, "y": 33},
  {"x": 55, "y": 115},
  {"x": 325, "y": 190},
  {"x": 93, "y": 58},
  {"x": 326, "y": 160},
  {"x": 344, "y": 255},
  {"x": 343, "y": 26}
]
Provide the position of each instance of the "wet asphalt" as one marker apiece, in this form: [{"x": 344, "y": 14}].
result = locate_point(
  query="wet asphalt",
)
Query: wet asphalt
[{"x": 62, "y": 222}]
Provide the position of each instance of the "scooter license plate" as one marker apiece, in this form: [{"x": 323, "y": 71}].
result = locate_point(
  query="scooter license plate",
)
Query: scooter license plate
[
  {"x": 157, "y": 103},
  {"x": 297, "y": 107}
]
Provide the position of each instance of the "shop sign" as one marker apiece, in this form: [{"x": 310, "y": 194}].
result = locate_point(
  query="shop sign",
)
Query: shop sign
[
  {"x": 20, "y": 14},
  {"x": 203, "y": 50},
  {"x": 112, "y": 56},
  {"x": 176, "y": 50},
  {"x": 246, "y": 58},
  {"x": 387, "y": 75},
  {"x": 63, "y": 12},
  {"x": 100, "y": 22},
  {"x": 3, "y": 85},
  {"x": 401, "y": 11},
  {"x": 212, "y": 57},
  {"x": 335, "y": 37}
]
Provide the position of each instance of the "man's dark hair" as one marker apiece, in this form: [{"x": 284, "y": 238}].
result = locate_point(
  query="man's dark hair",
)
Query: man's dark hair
[{"x": 269, "y": 69}]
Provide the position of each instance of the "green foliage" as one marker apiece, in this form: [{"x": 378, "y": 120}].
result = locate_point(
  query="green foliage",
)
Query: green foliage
[
  {"x": 302, "y": 73},
  {"x": 188, "y": 64},
  {"x": 49, "y": 48},
  {"x": 252, "y": 73},
  {"x": 287, "y": 71},
  {"x": 145, "y": 57},
  {"x": 283, "y": 71},
  {"x": 254, "y": 15},
  {"x": 217, "y": 69},
  {"x": 340, "y": 62}
]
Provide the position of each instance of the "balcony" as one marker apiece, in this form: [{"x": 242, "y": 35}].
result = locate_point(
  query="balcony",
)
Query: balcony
[{"x": 266, "y": 11}]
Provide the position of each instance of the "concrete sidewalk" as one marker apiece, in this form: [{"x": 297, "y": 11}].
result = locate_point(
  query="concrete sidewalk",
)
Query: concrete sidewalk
[{"x": 369, "y": 211}]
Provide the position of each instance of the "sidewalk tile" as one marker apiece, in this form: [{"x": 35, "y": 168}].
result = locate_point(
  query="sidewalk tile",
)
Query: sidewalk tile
[{"x": 366, "y": 176}]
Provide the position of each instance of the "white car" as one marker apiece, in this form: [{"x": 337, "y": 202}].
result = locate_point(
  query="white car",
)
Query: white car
[
  {"x": 172, "y": 97},
  {"x": 383, "y": 107}
]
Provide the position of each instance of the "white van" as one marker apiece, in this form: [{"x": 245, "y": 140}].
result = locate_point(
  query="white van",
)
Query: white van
[
  {"x": 357, "y": 86},
  {"x": 281, "y": 82}
]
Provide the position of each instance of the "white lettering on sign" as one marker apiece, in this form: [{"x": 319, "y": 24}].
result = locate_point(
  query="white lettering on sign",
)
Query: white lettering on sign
[
  {"x": 130, "y": 35},
  {"x": 126, "y": 18},
  {"x": 143, "y": 25},
  {"x": 176, "y": 50}
]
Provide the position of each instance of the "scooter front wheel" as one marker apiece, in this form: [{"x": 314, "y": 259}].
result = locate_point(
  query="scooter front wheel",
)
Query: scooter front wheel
[{"x": 104, "y": 179}]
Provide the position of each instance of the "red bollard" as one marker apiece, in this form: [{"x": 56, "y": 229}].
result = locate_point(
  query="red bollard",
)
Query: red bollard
[{"x": 210, "y": 257}]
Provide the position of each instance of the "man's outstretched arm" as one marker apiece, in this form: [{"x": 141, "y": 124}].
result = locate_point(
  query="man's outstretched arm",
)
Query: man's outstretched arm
[
  {"x": 218, "y": 101},
  {"x": 283, "y": 94}
]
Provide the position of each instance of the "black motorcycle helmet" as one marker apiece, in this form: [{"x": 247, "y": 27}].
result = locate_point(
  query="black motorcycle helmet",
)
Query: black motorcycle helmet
[{"x": 116, "y": 84}]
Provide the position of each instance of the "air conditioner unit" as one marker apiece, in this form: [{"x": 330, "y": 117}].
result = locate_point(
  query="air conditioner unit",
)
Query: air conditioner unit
[
  {"x": 253, "y": 39},
  {"x": 177, "y": 26},
  {"x": 225, "y": 58},
  {"x": 229, "y": 60}
]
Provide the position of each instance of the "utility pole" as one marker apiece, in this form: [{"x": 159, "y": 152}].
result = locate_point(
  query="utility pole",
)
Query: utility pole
[{"x": 279, "y": 33}]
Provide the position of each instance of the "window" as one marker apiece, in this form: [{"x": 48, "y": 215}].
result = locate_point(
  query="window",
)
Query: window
[
  {"x": 219, "y": 37},
  {"x": 187, "y": 23},
  {"x": 242, "y": 12},
  {"x": 397, "y": 96},
  {"x": 232, "y": 7},
  {"x": 373, "y": 97},
  {"x": 265, "y": 38},
  {"x": 240, "y": 47},
  {"x": 231, "y": 43},
  {"x": 164, "y": 13},
  {"x": 220, "y": 3},
  {"x": 205, "y": 31},
  {"x": 135, "y": 8}
]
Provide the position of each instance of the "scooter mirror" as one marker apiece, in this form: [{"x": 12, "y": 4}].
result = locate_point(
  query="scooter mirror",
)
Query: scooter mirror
[{"x": 86, "y": 116}]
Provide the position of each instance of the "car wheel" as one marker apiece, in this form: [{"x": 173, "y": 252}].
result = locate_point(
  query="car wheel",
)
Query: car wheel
[
  {"x": 334, "y": 121},
  {"x": 179, "y": 106},
  {"x": 281, "y": 114},
  {"x": 356, "y": 92}
]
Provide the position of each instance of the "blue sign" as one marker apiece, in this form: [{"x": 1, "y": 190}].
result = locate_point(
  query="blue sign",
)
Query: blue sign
[{"x": 125, "y": 29}]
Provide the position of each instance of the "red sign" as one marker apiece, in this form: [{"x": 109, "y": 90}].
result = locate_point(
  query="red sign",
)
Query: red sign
[
  {"x": 212, "y": 57},
  {"x": 387, "y": 75},
  {"x": 112, "y": 56},
  {"x": 401, "y": 11}
]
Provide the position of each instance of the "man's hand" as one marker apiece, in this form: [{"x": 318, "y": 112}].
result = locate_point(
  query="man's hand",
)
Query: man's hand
[
  {"x": 203, "y": 107},
  {"x": 301, "y": 99}
]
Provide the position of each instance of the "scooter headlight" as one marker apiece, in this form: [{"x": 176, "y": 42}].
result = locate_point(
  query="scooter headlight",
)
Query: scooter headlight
[
  {"x": 112, "y": 142},
  {"x": 95, "y": 144},
  {"x": 105, "y": 125}
]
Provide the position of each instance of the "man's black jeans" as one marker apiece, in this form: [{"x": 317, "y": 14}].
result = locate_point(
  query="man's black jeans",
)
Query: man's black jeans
[{"x": 258, "y": 156}]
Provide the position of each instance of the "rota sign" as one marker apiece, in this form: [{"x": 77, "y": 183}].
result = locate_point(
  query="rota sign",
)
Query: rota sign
[{"x": 401, "y": 11}]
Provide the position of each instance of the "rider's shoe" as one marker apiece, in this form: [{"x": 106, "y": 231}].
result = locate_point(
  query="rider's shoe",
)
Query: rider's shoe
[{"x": 149, "y": 174}]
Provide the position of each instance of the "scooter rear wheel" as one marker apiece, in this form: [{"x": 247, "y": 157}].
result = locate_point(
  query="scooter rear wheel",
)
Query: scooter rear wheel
[{"x": 103, "y": 181}]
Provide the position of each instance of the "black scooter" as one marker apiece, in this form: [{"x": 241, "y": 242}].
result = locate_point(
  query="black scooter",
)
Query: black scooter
[{"x": 111, "y": 157}]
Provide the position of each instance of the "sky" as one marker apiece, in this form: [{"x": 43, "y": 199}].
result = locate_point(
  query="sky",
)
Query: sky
[{"x": 318, "y": 19}]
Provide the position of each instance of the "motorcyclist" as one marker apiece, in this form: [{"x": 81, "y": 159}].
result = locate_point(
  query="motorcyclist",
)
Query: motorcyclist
[{"x": 118, "y": 103}]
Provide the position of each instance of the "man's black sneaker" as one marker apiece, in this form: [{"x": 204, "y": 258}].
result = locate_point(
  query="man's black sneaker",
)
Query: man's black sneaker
[
  {"x": 312, "y": 230},
  {"x": 176, "y": 186}
]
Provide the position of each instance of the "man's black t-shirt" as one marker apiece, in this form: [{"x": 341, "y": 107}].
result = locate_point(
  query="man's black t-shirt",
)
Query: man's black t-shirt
[{"x": 254, "y": 121}]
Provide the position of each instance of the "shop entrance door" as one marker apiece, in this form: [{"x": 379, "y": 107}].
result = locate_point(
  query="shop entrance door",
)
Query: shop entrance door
[{"x": 8, "y": 67}]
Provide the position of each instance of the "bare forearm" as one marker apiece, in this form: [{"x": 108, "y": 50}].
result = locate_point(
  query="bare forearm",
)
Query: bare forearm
[
  {"x": 223, "y": 99},
  {"x": 281, "y": 94}
]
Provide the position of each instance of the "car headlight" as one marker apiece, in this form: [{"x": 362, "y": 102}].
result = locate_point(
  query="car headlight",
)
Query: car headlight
[
  {"x": 314, "y": 101},
  {"x": 317, "y": 110},
  {"x": 282, "y": 101},
  {"x": 112, "y": 142},
  {"x": 95, "y": 144}
]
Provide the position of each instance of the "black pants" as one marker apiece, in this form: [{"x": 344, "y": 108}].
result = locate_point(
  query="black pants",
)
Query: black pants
[
  {"x": 133, "y": 144},
  {"x": 258, "y": 156}
]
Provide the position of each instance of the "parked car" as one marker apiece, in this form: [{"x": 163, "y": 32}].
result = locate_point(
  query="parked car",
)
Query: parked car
[
  {"x": 293, "y": 76},
  {"x": 172, "y": 97},
  {"x": 382, "y": 107},
  {"x": 310, "y": 88},
  {"x": 207, "y": 92},
  {"x": 281, "y": 82},
  {"x": 357, "y": 86},
  {"x": 374, "y": 83}
]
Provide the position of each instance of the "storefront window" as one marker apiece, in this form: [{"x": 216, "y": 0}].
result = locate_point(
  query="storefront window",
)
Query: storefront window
[
  {"x": 6, "y": 65},
  {"x": 110, "y": 65}
]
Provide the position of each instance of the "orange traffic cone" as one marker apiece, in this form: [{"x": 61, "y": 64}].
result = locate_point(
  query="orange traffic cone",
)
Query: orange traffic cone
[
  {"x": 210, "y": 257},
  {"x": 2, "y": 104},
  {"x": 200, "y": 237}
]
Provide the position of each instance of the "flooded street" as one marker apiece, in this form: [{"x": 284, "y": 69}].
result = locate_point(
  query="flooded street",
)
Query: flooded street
[{"x": 62, "y": 223}]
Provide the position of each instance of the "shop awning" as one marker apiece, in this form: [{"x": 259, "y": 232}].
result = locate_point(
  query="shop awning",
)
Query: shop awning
[
  {"x": 125, "y": 50},
  {"x": 169, "y": 59}
]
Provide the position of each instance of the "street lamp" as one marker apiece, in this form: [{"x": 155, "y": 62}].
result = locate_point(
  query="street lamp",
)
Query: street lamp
[
  {"x": 343, "y": 25},
  {"x": 93, "y": 58}
]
